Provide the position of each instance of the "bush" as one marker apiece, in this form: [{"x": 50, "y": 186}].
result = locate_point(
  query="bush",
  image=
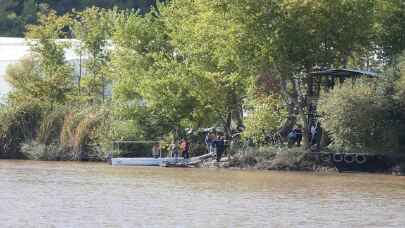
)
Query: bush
[
  {"x": 82, "y": 129},
  {"x": 41, "y": 131},
  {"x": 362, "y": 118},
  {"x": 276, "y": 158},
  {"x": 291, "y": 159},
  {"x": 266, "y": 115},
  {"x": 18, "y": 124},
  {"x": 52, "y": 152},
  {"x": 51, "y": 125}
]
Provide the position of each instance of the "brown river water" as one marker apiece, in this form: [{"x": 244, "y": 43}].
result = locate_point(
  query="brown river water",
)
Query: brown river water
[{"x": 73, "y": 194}]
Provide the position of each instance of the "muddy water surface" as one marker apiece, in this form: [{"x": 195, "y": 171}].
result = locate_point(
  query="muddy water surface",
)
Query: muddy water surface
[{"x": 70, "y": 194}]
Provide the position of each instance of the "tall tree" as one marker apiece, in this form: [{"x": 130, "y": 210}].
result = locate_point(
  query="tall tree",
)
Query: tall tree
[
  {"x": 208, "y": 35},
  {"x": 391, "y": 27},
  {"x": 317, "y": 33},
  {"x": 148, "y": 75},
  {"x": 51, "y": 73},
  {"x": 92, "y": 28}
]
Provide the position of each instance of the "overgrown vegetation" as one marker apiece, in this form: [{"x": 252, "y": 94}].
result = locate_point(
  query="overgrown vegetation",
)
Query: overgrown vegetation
[
  {"x": 267, "y": 115},
  {"x": 16, "y": 14},
  {"x": 198, "y": 64},
  {"x": 368, "y": 116}
]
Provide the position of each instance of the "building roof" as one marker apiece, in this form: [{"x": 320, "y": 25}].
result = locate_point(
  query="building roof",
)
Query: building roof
[{"x": 344, "y": 73}]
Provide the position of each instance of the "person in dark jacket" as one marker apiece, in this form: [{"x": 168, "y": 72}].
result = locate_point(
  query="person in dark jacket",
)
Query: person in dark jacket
[
  {"x": 298, "y": 133},
  {"x": 219, "y": 144}
]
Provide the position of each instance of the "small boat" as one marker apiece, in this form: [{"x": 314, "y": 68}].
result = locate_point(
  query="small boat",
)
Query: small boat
[
  {"x": 148, "y": 161},
  {"x": 161, "y": 161}
]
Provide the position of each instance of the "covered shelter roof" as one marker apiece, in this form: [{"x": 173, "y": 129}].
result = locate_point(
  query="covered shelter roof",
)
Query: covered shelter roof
[{"x": 344, "y": 73}]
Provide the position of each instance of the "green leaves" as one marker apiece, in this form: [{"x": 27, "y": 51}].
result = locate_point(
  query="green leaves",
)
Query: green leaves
[
  {"x": 93, "y": 28},
  {"x": 361, "y": 119},
  {"x": 323, "y": 33},
  {"x": 265, "y": 115},
  {"x": 44, "y": 76},
  {"x": 194, "y": 63},
  {"x": 391, "y": 27}
]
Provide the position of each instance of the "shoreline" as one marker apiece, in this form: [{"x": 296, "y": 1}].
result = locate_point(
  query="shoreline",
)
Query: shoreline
[{"x": 248, "y": 163}]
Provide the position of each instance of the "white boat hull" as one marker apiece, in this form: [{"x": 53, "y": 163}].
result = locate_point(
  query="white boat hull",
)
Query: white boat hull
[
  {"x": 160, "y": 161},
  {"x": 144, "y": 161}
]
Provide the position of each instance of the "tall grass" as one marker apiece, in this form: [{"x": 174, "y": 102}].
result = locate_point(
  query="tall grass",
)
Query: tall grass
[
  {"x": 80, "y": 129},
  {"x": 52, "y": 133},
  {"x": 18, "y": 124},
  {"x": 51, "y": 126}
]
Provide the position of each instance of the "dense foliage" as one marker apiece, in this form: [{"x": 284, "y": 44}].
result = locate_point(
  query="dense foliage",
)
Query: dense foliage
[
  {"x": 265, "y": 117},
  {"x": 362, "y": 118},
  {"x": 16, "y": 14},
  {"x": 198, "y": 64}
]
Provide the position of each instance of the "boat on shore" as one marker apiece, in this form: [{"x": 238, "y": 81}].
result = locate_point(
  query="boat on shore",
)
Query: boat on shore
[
  {"x": 145, "y": 161},
  {"x": 160, "y": 161}
]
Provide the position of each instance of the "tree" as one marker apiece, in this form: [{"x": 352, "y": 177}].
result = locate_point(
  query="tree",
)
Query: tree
[
  {"x": 265, "y": 115},
  {"x": 45, "y": 75},
  {"x": 317, "y": 33},
  {"x": 209, "y": 38},
  {"x": 16, "y": 14},
  {"x": 93, "y": 28},
  {"x": 391, "y": 28},
  {"x": 361, "y": 119},
  {"x": 28, "y": 85},
  {"x": 147, "y": 77}
]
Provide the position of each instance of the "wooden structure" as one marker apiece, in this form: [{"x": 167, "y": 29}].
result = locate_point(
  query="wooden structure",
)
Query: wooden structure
[{"x": 327, "y": 80}]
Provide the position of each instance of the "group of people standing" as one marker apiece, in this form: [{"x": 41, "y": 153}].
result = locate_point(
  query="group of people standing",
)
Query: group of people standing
[
  {"x": 183, "y": 146},
  {"x": 315, "y": 133},
  {"x": 215, "y": 144}
]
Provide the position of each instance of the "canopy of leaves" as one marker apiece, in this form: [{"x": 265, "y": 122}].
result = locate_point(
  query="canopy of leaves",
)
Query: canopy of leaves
[
  {"x": 44, "y": 76},
  {"x": 16, "y": 14}
]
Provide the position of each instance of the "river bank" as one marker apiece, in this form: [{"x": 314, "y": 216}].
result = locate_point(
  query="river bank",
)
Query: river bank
[
  {"x": 297, "y": 159},
  {"x": 261, "y": 158},
  {"x": 284, "y": 162}
]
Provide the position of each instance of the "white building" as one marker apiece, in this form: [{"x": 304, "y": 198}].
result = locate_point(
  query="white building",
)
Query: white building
[{"x": 13, "y": 49}]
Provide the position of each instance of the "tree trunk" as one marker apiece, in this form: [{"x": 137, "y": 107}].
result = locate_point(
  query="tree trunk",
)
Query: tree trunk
[
  {"x": 237, "y": 115},
  {"x": 227, "y": 126},
  {"x": 103, "y": 87},
  {"x": 80, "y": 72},
  {"x": 299, "y": 102},
  {"x": 305, "y": 130}
]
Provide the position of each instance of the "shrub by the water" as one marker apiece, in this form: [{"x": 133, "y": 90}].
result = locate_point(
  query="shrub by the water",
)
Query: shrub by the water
[
  {"x": 363, "y": 118},
  {"x": 52, "y": 152},
  {"x": 43, "y": 132},
  {"x": 18, "y": 124},
  {"x": 270, "y": 157}
]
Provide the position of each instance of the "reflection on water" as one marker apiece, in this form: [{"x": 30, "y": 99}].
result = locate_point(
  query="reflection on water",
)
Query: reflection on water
[{"x": 68, "y": 194}]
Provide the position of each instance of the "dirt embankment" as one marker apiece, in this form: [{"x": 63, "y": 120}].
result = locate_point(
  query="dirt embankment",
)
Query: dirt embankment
[{"x": 295, "y": 159}]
